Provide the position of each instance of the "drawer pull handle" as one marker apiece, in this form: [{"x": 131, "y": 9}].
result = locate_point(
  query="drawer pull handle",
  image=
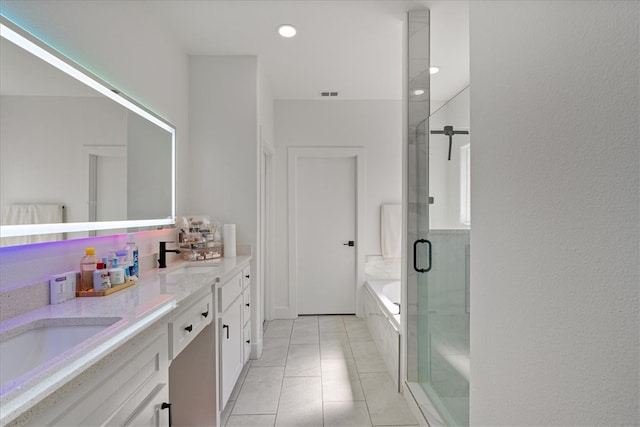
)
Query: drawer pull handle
[
  {"x": 248, "y": 304},
  {"x": 189, "y": 328},
  {"x": 205, "y": 314},
  {"x": 227, "y": 327},
  {"x": 248, "y": 341},
  {"x": 166, "y": 405}
]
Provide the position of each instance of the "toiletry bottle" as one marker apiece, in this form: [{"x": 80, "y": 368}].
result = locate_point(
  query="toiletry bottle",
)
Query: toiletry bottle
[
  {"x": 101, "y": 280},
  {"x": 116, "y": 274},
  {"x": 87, "y": 267},
  {"x": 133, "y": 257},
  {"x": 124, "y": 261}
]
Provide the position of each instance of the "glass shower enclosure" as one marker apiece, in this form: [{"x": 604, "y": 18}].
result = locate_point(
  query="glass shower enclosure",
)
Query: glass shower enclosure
[{"x": 437, "y": 238}]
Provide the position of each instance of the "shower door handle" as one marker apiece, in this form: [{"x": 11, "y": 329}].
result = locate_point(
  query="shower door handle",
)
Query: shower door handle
[{"x": 415, "y": 255}]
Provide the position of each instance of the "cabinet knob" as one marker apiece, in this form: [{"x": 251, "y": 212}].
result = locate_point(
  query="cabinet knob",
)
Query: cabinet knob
[
  {"x": 248, "y": 341},
  {"x": 189, "y": 328},
  {"x": 248, "y": 304},
  {"x": 247, "y": 276},
  {"x": 205, "y": 314}
]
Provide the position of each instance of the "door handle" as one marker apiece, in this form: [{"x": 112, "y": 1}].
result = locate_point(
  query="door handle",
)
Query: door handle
[
  {"x": 415, "y": 256},
  {"x": 166, "y": 405},
  {"x": 227, "y": 327},
  {"x": 349, "y": 243}
]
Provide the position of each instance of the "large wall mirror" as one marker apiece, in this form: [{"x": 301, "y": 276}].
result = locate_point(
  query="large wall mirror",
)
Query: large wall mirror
[{"x": 77, "y": 158}]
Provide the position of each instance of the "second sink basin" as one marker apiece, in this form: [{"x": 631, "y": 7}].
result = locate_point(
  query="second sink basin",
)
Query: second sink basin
[{"x": 37, "y": 342}]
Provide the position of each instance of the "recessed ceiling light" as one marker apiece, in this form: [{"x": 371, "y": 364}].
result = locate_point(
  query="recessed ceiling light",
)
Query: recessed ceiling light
[
  {"x": 418, "y": 92},
  {"x": 433, "y": 70},
  {"x": 287, "y": 30}
]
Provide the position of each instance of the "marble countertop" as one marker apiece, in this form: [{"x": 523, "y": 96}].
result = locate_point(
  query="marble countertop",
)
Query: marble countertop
[{"x": 157, "y": 293}]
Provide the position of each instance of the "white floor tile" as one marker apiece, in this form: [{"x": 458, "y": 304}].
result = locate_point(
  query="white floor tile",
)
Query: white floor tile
[
  {"x": 303, "y": 360},
  {"x": 330, "y": 324},
  {"x": 367, "y": 357},
  {"x": 335, "y": 346},
  {"x": 251, "y": 421},
  {"x": 357, "y": 329},
  {"x": 279, "y": 328},
  {"x": 300, "y": 402},
  {"x": 274, "y": 352},
  {"x": 305, "y": 330},
  {"x": 349, "y": 414},
  {"x": 340, "y": 381},
  {"x": 260, "y": 391},
  {"x": 238, "y": 386},
  {"x": 386, "y": 406}
]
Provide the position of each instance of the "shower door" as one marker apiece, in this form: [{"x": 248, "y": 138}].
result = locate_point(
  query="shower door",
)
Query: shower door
[{"x": 437, "y": 243}]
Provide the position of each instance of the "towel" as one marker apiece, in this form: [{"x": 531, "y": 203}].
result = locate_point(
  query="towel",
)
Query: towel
[
  {"x": 32, "y": 214},
  {"x": 391, "y": 231}
]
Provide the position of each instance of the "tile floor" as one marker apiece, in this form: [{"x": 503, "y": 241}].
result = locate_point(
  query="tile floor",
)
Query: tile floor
[{"x": 317, "y": 371}]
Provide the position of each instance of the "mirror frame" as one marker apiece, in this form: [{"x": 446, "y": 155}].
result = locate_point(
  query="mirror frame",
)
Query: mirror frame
[{"x": 14, "y": 33}]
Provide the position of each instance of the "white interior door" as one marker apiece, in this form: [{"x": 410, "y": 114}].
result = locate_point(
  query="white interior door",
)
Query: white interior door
[{"x": 326, "y": 222}]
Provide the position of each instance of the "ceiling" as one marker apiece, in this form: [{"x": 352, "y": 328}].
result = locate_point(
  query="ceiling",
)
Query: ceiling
[{"x": 352, "y": 47}]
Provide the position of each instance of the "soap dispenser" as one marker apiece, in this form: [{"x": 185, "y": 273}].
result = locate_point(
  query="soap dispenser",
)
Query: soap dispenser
[{"x": 116, "y": 274}]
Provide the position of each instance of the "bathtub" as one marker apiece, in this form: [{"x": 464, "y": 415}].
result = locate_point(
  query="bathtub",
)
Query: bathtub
[
  {"x": 382, "y": 311},
  {"x": 387, "y": 292}
]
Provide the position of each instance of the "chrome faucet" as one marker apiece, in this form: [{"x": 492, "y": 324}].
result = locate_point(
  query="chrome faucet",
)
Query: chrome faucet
[{"x": 162, "y": 261}]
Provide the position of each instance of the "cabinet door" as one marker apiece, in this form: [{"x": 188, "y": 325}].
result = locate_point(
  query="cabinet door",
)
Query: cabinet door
[{"x": 231, "y": 361}]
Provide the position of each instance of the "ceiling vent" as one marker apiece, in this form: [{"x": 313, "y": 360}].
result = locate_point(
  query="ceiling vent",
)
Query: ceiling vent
[{"x": 328, "y": 93}]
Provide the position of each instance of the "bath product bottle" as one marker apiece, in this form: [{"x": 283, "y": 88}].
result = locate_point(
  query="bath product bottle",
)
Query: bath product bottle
[
  {"x": 124, "y": 261},
  {"x": 87, "y": 267},
  {"x": 116, "y": 274},
  {"x": 133, "y": 256},
  {"x": 101, "y": 280}
]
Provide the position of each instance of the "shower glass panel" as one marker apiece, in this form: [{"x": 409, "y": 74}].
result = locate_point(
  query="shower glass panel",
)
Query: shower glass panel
[{"x": 437, "y": 240}]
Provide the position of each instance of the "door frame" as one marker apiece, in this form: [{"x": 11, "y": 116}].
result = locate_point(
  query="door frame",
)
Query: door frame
[
  {"x": 267, "y": 225},
  {"x": 296, "y": 153}
]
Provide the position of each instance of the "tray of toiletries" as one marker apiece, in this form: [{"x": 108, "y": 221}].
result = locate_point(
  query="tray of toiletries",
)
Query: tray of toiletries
[{"x": 109, "y": 291}]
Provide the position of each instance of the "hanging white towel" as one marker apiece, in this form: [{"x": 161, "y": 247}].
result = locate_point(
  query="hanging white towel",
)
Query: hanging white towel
[
  {"x": 391, "y": 231},
  {"x": 21, "y": 214}
]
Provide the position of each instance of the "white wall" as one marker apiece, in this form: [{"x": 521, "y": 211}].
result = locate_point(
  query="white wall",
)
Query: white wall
[
  {"x": 555, "y": 336},
  {"x": 223, "y": 129},
  {"x": 229, "y": 102},
  {"x": 120, "y": 42},
  {"x": 374, "y": 125}
]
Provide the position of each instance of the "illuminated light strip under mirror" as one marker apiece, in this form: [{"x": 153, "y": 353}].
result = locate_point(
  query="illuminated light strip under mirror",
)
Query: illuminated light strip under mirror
[{"x": 145, "y": 147}]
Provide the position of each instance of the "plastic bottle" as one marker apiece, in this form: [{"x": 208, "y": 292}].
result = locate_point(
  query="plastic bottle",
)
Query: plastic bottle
[
  {"x": 133, "y": 256},
  {"x": 101, "y": 280},
  {"x": 116, "y": 274},
  {"x": 87, "y": 267}
]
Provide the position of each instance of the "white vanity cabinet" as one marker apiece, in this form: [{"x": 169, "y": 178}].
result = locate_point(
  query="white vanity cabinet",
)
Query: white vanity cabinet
[
  {"x": 246, "y": 312},
  {"x": 130, "y": 388},
  {"x": 230, "y": 335},
  {"x": 189, "y": 321}
]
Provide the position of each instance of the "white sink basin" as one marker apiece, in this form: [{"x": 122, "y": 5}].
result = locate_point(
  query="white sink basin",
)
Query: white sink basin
[{"x": 35, "y": 343}]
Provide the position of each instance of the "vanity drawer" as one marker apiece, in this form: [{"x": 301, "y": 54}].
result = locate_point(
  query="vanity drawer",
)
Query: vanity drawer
[
  {"x": 188, "y": 324},
  {"x": 228, "y": 292},
  {"x": 247, "y": 342},
  {"x": 246, "y": 306},
  {"x": 246, "y": 277}
]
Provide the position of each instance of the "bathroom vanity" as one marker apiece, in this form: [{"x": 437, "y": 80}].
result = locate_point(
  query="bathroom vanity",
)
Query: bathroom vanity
[{"x": 174, "y": 349}]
